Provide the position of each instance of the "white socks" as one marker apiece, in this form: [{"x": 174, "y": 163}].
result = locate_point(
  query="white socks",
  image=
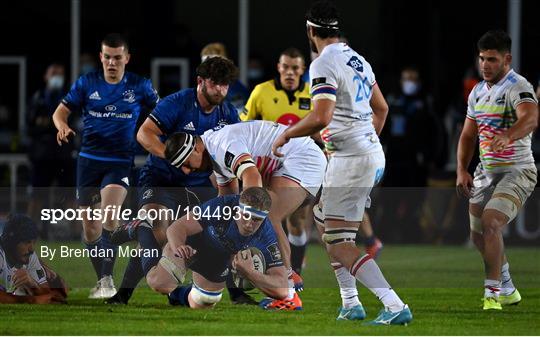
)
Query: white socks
[
  {"x": 290, "y": 284},
  {"x": 368, "y": 273},
  {"x": 347, "y": 286},
  {"x": 492, "y": 288},
  {"x": 298, "y": 240},
  {"x": 507, "y": 287}
]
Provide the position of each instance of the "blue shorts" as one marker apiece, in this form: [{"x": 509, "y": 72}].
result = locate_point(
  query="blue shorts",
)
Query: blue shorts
[
  {"x": 213, "y": 267},
  {"x": 159, "y": 187},
  {"x": 93, "y": 175}
]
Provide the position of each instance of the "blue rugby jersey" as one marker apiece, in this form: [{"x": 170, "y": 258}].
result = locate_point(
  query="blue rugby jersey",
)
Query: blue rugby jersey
[
  {"x": 181, "y": 112},
  {"x": 221, "y": 232},
  {"x": 110, "y": 113}
]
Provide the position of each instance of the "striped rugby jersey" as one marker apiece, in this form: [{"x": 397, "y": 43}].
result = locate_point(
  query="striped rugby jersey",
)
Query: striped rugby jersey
[
  {"x": 494, "y": 111},
  {"x": 342, "y": 75}
]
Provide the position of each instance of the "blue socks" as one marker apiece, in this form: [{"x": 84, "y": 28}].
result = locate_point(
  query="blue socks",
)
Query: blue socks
[
  {"x": 96, "y": 260},
  {"x": 111, "y": 250},
  {"x": 148, "y": 241},
  {"x": 179, "y": 296}
]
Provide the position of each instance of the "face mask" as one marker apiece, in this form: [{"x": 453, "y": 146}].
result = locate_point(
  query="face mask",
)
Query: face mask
[
  {"x": 255, "y": 73},
  {"x": 56, "y": 82},
  {"x": 409, "y": 87},
  {"x": 86, "y": 68}
]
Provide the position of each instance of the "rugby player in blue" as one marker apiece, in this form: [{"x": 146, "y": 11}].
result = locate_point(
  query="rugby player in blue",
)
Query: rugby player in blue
[
  {"x": 110, "y": 100},
  {"x": 207, "y": 241},
  {"x": 163, "y": 186}
]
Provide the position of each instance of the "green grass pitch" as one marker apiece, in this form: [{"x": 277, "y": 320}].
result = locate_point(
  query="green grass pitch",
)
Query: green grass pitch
[{"x": 442, "y": 285}]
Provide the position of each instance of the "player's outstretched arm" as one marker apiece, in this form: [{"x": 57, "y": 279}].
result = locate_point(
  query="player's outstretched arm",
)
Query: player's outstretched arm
[
  {"x": 380, "y": 109},
  {"x": 60, "y": 120},
  {"x": 148, "y": 137}
]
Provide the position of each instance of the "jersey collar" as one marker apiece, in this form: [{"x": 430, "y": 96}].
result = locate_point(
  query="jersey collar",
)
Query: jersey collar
[
  {"x": 502, "y": 80},
  {"x": 337, "y": 46}
]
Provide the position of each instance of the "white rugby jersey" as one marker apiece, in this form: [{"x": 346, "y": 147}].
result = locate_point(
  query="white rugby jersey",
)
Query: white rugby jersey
[
  {"x": 255, "y": 138},
  {"x": 34, "y": 268},
  {"x": 342, "y": 75},
  {"x": 494, "y": 111}
]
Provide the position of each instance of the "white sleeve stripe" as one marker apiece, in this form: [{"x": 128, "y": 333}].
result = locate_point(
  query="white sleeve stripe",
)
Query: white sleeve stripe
[{"x": 324, "y": 96}]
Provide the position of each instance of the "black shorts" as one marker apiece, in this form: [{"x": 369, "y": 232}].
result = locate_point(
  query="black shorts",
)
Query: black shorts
[
  {"x": 93, "y": 175},
  {"x": 214, "y": 267},
  {"x": 157, "y": 187}
]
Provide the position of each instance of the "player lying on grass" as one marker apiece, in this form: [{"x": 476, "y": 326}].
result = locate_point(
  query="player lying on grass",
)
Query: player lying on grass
[
  {"x": 22, "y": 278},
  {"x": 205, "y": 241}
]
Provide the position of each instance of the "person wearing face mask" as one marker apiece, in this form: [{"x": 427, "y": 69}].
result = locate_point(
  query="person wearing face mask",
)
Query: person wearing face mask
[
  {"x": 47, "y": 164},
  {"x": 409, "y": 139},
  {"x": 87, "y": 64},
  {"x": 413, "y": 141}
]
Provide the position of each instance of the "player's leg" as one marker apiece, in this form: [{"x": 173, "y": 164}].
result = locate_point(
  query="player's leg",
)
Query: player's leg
[
  {"x": 351, "y": 308},
  {"x": 134, "y": 271},
  {"x": 508, "y": 197},
  {"x": 92, "y": 231},
  {"x": 204, "y": 293},
  {"x": 151, "y": 201},
  {"x": 112, "y": 198},
  {"x": 344, "y": 198},
  {"x": 287, "y": 196},
  {"x": 89, "y": 175},
  {"x": 113, "y": 192},
  {"x": 298, "y": 226},
  {"x": 166, "y": 275}
]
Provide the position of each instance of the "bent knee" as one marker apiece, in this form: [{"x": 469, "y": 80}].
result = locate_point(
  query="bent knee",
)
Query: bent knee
[
  {"x": 492, "y": 223},
  {"x": 157, "y": 284}
]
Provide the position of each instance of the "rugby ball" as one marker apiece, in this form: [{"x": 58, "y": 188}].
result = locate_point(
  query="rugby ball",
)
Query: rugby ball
[{"x": 259, "y": 264}]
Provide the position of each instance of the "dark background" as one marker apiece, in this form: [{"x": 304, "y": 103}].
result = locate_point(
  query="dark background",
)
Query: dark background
[{"x": 438, "y": 37}]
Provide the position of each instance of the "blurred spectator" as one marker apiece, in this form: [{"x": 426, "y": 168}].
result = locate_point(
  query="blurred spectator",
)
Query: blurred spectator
[
  {"x": 238, "y": 93},
  {"x": 410, "y": 135},
  {"x": 87, "y": 64},
  {"x": 48, "y": 162},
  {"x": 469, "y": 81},
  {"x": 256, "y": 71}
]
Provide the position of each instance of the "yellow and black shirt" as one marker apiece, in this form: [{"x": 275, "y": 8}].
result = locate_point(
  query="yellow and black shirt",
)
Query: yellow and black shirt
[{"x": 270, "y": 101}]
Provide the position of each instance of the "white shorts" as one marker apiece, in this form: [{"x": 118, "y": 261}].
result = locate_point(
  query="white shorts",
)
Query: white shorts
[
  {"x": 306, "y": 167},
  {"x": 348, "y": 183},
  {"x": 518, "y": 183}
]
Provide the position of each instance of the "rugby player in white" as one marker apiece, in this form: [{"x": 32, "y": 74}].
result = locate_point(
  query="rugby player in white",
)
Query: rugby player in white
[
  {"x": 502, "y": 114},
  {"x": 349, "y": 108}
]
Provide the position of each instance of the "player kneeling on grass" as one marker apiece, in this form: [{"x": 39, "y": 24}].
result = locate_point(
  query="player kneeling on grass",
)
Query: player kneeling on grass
[
  {"x": 22, "y": 278},
  {"x": 205, "y": 241}
]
